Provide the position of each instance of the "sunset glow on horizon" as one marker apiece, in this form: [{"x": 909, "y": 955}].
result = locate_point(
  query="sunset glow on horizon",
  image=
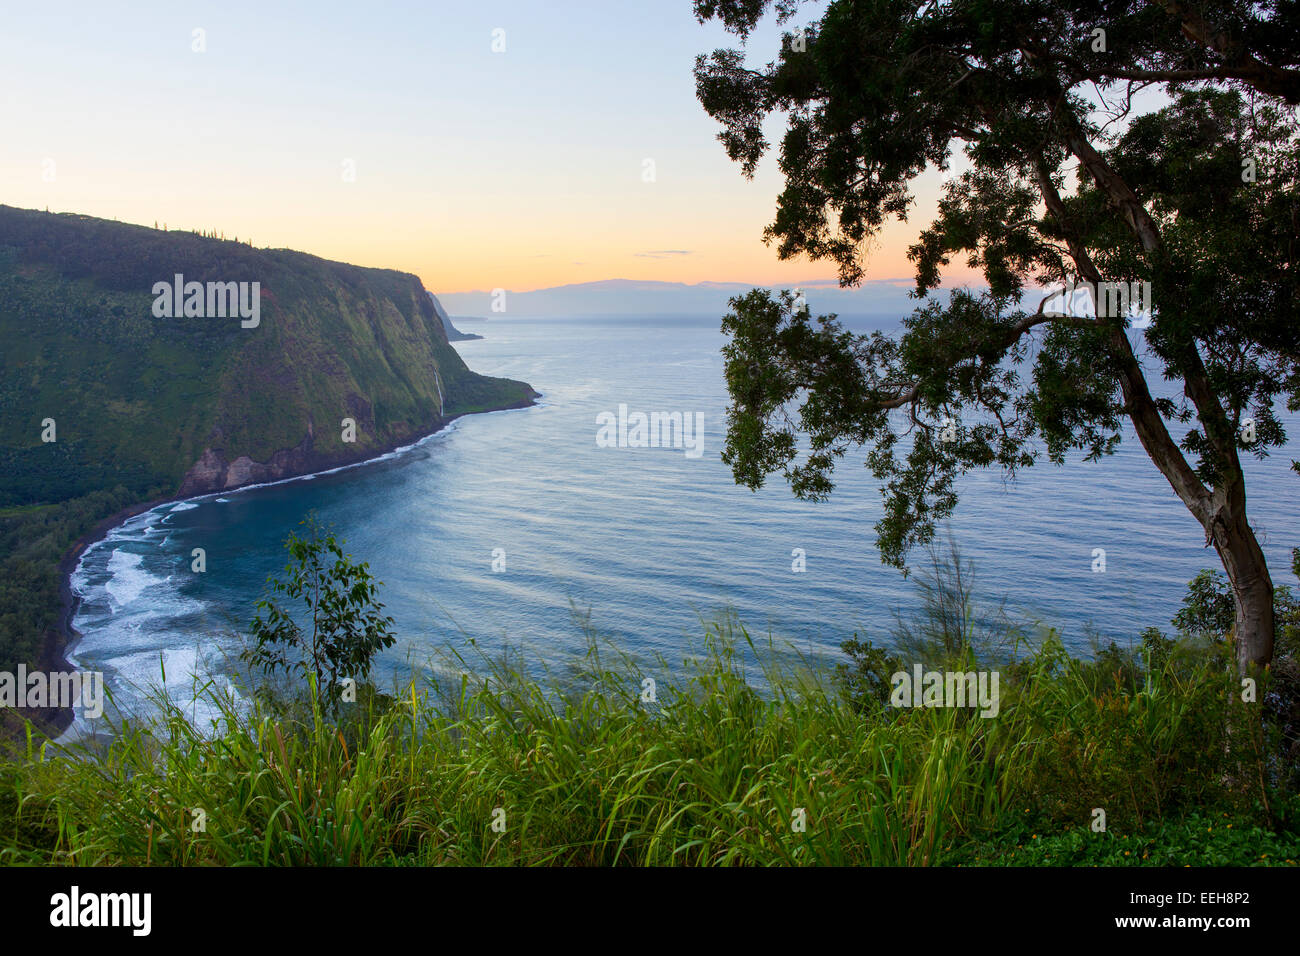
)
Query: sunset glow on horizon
[{"x": 573, "y": 152}]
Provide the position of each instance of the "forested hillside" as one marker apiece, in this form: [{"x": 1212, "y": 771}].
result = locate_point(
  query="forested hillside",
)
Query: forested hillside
[{"x": 103, "y": 404}]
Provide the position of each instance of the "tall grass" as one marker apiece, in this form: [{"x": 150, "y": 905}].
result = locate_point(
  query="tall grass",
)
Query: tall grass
[{"x": 582, "y": 771}]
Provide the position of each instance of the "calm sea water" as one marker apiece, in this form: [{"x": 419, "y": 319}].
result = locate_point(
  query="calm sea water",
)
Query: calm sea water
[{"x": 649, "y": 541}]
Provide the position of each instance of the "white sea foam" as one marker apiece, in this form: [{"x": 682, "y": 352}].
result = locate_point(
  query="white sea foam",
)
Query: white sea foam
[
  {"x": 187, "y": 674},
  {"x": 184, "y": 675},
  {"x": 128, "y": 612},
  {"x": 128, "y": 579}
]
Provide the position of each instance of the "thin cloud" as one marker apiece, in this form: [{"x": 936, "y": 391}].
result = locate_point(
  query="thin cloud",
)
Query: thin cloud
[{"x": 663, "y": 253}]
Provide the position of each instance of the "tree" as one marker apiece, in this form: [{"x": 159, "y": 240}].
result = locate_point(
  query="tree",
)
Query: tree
[
  {"x": 1066, "y": 183},
  {"x": 347, "y": 627},
  {"x": 1208, "y": 607}
]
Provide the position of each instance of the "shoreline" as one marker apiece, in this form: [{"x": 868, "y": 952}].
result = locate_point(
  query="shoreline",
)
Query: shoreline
[{"x": 64, "y": 637}]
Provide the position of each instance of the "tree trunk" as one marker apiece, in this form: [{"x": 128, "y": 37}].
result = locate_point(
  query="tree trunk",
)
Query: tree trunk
[
  {"x": 1222, "y": 511},
  {"x": 1252, "y": 587}
]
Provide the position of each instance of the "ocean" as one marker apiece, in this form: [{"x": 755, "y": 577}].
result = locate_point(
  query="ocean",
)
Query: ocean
[{"x": 517, "y": 529}]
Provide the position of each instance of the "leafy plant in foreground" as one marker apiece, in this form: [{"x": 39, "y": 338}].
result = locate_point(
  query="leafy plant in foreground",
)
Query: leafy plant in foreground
[{"x": 347, "y": 627}]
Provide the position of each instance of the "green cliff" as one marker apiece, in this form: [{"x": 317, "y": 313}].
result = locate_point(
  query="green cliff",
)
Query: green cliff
[
  {"x": 144, "y": 406},
  {"x": 201, "y": 403}
]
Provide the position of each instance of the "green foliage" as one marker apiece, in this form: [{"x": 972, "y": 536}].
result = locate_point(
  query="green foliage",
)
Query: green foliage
[
  {"x": 136, "y": 400},
  {"x": 959, "y": 363},
  {"x": 1143, "y": 732},
  {"x": 1208, "y": 607},
  {"x": 866, "y": 682},
  {"x": 949, "y": 628},
  {"x": 1207, "y": 615},
  {"x": 876, "y": 93},
  {"x": 712, "y": 772},
  {"x": 32, "y": 542},
  {"x": 1141, "y": 742},
  {"x": 340, "y": 600},
  {"x": 1223, "y": 839}
]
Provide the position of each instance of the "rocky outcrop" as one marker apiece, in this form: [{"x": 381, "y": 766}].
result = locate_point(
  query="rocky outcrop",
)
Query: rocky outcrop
[
  {"x": 453, "y": 334},
  {"x": 214, "y": 472}
]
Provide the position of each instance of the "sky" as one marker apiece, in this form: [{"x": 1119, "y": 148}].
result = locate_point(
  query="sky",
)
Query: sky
[{"x": 393, "y": 135}]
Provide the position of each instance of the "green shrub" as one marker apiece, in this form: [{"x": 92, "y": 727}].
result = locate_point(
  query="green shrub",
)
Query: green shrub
[{"x": 340, "y": 600}]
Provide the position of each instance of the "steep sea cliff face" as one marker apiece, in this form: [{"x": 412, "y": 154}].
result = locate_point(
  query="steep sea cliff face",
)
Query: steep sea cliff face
[
  {"x": 343, "y": 363},
  {"x": 453, "y": 334},
  {"x": 110, "y": 399}
]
